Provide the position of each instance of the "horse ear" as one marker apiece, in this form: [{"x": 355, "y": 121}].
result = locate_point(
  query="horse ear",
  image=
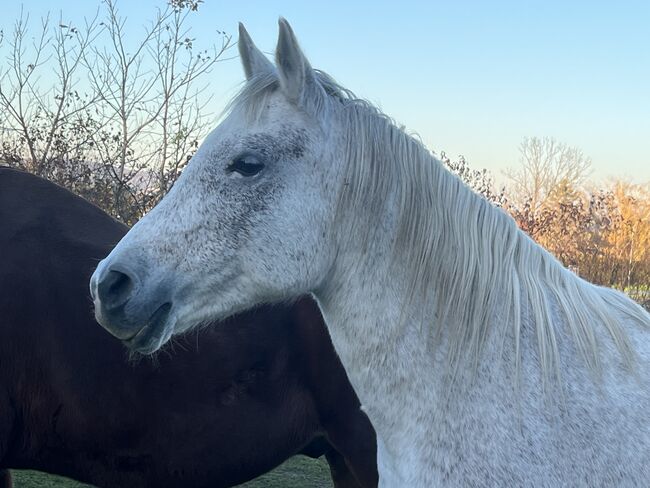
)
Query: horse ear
[
  {"x": 252, "y": 59},
  {"x": 295, "y": 72}
]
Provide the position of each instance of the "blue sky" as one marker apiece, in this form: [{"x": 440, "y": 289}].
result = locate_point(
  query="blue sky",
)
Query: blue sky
[{"x": 470, "y": 78}]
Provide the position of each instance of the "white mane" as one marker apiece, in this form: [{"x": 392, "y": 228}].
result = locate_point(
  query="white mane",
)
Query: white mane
[{"x": 456, "y": 242}]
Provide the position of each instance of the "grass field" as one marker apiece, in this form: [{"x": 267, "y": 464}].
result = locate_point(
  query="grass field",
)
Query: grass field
[{"x": 297, "y": 472}]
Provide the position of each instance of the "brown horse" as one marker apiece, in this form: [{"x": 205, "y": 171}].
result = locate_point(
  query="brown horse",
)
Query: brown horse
[{"x": 216, "y": 409}]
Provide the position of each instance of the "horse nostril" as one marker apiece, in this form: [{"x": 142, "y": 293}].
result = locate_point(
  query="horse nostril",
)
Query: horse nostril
[{"x": 114, "y": 289}]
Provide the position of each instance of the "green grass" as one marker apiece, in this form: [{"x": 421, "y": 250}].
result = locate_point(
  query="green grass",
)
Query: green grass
[
  {"x": 35, "y": 479},
  {"x": 297, "y": 472}
]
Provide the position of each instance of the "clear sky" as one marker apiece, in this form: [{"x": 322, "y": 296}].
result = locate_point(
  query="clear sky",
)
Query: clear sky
[{"x": 470, "y": 78}]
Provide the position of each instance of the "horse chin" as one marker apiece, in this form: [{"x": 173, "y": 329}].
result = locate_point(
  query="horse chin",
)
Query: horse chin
[{"x": 154, "y": 334}]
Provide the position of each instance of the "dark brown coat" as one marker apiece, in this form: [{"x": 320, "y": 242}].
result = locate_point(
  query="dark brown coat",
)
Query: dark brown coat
[{"x": 217, "y": 408}]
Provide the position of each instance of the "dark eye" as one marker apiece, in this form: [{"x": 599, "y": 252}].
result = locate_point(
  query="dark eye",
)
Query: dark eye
[{"x": 246, "y": 164}]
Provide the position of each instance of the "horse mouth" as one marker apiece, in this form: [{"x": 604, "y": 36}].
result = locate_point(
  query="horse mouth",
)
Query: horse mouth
[{"x": 145, "y": 340}]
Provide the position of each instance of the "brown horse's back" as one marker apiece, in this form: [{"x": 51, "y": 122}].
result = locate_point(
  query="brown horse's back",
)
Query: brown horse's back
[
  {"x": 217, "y": 408},
  {"x": 49, "y": 241}
]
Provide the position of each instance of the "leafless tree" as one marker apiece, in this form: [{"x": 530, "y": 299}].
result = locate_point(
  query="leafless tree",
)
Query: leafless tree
[
  {"x": 546, "y": 164},
  {"x": 123, "y": 115},
  {"x": 34, "y": 112}
]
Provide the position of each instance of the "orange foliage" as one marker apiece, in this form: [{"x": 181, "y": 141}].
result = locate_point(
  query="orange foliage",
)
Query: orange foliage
[{"x": 603, "y": 235}]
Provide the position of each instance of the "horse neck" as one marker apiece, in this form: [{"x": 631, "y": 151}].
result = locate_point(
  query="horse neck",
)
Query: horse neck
[
  {"x": 412, "y": 246},
  {"x": 368, "y": 301},
  {"x": 425, "y": 257}
]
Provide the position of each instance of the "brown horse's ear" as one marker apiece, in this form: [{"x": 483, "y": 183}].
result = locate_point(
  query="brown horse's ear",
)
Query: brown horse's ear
[
  {"x": 295, "y": 72},
  {"x": 252, "y": 59}
]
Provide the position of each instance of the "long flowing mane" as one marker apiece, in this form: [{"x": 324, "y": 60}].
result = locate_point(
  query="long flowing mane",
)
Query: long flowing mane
[{"x": 471, "y": 253}]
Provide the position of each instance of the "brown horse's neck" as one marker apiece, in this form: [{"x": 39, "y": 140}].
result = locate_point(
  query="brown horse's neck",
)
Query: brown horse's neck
[{"x": 353, "y": 459}]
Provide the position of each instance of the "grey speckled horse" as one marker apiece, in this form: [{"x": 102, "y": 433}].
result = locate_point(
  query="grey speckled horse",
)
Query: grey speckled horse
[{"x": 480, "y": 360}]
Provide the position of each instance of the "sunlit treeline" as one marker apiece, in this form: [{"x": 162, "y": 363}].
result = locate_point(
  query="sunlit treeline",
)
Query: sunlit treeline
[{"x": 603, "y": 234}]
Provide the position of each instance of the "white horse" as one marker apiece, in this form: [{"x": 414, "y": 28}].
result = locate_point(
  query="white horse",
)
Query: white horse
[{"x": 479, "y": 359}]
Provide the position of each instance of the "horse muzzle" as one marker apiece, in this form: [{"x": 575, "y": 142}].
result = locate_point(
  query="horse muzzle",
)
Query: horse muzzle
[{"x": 133, "y": 307}]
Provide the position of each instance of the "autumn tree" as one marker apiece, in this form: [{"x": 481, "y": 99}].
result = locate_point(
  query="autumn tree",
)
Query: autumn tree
[
  {"x": 601, "y": 234},
  {"x": 629, "y": 240}
]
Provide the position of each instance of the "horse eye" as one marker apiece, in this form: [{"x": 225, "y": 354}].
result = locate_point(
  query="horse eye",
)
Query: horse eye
[{"x": 245, "y": 165}]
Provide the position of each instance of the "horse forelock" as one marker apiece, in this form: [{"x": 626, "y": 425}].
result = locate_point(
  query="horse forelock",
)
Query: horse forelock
[{"x": 465, "y": 257}]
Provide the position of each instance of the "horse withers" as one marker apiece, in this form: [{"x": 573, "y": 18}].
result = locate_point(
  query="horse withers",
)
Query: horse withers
[{"x": 218, "y": 408}]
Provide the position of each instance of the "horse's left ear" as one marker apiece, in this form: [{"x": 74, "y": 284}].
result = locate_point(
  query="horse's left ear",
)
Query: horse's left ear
[
  {"x": 295, "y": 72},
  {"x": 253, "y": 61}
]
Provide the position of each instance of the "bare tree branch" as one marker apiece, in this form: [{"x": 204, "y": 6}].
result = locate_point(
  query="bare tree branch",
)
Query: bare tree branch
[
  {"x": 115, "y": 118},
  {"x": 545, "y": 164}
]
